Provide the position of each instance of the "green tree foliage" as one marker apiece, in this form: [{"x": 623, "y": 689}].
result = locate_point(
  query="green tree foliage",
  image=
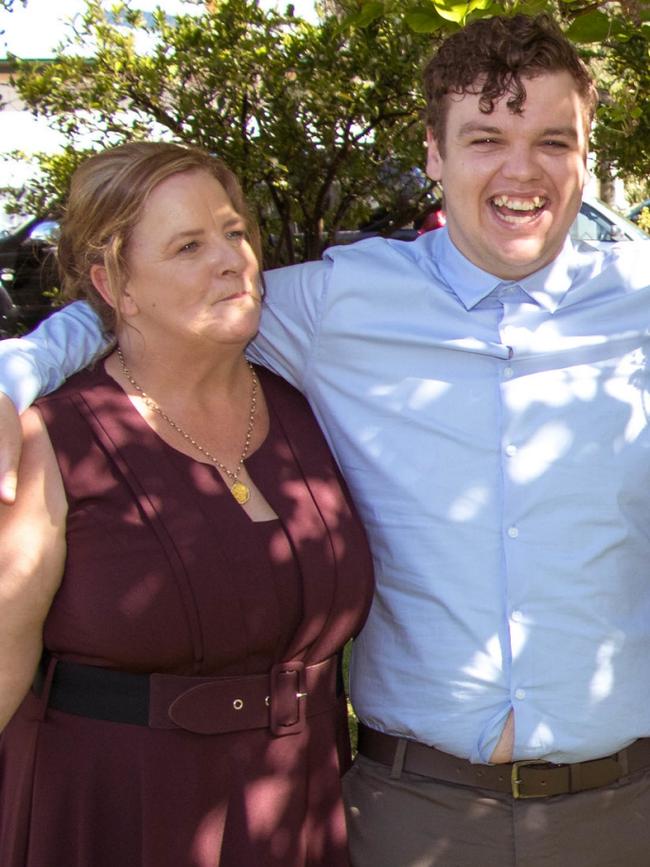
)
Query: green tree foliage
[
  {"x": 614, "y": 37},
  {"x": 622, "y": 135},
  {"x": 321, "y": 123},
  {"x": 644, "y": 220}
]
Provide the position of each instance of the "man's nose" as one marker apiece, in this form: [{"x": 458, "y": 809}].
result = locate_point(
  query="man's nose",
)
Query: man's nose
[{"x": 520, "y": 163}]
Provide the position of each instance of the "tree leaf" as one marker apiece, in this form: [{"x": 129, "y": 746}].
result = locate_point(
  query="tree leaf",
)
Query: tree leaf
[
  {"x": 370, "y": 12},
  {"x": 457, "y": 12},
  {"x": 424, "y": 20},
  {"x": 594, "y": 26}
]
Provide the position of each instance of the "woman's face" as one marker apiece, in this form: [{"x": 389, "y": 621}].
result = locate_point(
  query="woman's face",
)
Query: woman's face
[{"x": 192, "y": 273}]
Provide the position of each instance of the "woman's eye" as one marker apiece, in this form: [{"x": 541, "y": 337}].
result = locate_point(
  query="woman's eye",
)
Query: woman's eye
[
  {"x": 189, "y": 247},
  {"x": 235, "y": 234}
]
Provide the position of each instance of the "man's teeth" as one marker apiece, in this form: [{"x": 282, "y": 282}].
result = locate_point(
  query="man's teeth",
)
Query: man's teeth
[{"x": 518, "y": 204}]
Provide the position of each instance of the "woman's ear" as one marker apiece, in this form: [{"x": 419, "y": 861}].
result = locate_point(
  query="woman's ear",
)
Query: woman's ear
[
  {"x": 124, "y": 302},
  {"x": 99, "y": 279}
]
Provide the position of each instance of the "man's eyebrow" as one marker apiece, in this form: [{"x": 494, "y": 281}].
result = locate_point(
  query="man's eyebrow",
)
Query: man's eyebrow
[
  {"x": 473, "y": 127},
  {"x": 566, "y": 131}
]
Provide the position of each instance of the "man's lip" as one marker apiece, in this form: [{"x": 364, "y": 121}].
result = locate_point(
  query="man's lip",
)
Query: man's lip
[
  {"x": 520, "y": 202},
  {"x": 518, "y": 210}
]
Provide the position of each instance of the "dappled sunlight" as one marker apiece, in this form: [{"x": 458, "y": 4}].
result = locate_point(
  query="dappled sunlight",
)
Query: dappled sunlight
[
  {"x": 542, "y": 733},
  {"x": 519, "y": 633},
  {"x": 550, "y": 443},
  {"x": 556, "y": 388},
  {"x": 602, "y": 681},
  {"x": 619, "y": 388},
  {"x": 468, "y": 505},
  {"x": 411, "y": 393},
  {"x": 139, "y": 598},
  {"x": 484, "y": 668}
]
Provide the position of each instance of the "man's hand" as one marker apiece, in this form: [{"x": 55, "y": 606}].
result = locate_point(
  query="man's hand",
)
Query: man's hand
[{"x": 11, "y": 441}]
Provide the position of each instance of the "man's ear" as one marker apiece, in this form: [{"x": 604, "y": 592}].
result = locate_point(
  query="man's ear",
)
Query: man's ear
[
  {"x": 99, "y": 279},
  {"x": 434, "y": 160}
]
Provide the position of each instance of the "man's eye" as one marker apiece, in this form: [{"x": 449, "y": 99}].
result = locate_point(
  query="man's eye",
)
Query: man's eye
[
  {"x": 189, "y": 247},
  {"x": 554, "y": 143}
]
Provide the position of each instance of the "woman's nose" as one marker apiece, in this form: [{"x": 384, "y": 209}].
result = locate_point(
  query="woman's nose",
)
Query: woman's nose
[{"x": 229, "y": 256}]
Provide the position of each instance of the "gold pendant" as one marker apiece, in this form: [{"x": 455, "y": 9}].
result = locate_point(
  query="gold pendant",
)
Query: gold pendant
[{"x": 240, "y": 492}]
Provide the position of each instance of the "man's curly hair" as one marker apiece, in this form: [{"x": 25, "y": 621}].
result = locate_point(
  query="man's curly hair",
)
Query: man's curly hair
[{"x": 491, "y": 57}]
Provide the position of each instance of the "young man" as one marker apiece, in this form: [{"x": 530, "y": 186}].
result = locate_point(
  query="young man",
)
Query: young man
[{"x": 486, "y": 392}]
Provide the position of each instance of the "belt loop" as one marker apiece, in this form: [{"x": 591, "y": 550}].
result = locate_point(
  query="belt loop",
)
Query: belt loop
[
  {"x": 398, "y": 759},
  {"x": 623, "y": 763},
  {"x": 288, "y": 698}
]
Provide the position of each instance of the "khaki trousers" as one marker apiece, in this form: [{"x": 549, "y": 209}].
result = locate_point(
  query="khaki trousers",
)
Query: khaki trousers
[{"x": 413, "y": 821}]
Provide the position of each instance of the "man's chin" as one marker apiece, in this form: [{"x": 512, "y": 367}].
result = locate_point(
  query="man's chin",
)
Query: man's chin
[{"x": 524, "y": 258}]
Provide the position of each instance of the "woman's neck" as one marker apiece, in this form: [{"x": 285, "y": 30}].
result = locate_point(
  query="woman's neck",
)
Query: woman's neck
[{"x": 198, "y": 374}]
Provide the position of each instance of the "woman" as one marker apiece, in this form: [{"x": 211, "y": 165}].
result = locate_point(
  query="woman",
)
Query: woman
[{"x": 181, "y": 558}]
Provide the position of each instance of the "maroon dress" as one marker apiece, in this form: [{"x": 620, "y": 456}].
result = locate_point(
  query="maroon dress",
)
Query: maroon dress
[{"x": 166, "y": 573}]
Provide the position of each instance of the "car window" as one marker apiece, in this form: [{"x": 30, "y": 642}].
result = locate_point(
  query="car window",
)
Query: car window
[
  {"x": 596, "y": 221},
  {"x": 47, "y": 231},
  {"x": 590, "y": 225}
]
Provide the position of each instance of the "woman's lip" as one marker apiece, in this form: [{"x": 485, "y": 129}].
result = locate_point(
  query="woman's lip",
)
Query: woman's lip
[{"x": 233, "y": 296}]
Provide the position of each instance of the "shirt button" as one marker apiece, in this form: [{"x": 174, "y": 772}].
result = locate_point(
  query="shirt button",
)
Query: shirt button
[
  {"x": 511, "y": 450},
  {"x": 520, "y": 693},
  {"x": 517, "y": 616},
  {"x": 508, "y": 372},
  {"x": 513, "y": 532}
]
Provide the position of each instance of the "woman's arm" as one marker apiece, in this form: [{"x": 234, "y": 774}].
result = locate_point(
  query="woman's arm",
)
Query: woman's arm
[
  {"x": 32, "y": 557},
  {"x": 37, "y": 364}
]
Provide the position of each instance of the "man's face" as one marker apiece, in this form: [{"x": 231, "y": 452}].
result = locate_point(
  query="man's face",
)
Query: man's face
[{"x": 513, "y": 183}]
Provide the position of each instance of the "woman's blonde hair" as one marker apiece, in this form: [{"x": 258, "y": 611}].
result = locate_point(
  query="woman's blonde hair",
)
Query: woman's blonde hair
[{"x": 107, "y": 194}]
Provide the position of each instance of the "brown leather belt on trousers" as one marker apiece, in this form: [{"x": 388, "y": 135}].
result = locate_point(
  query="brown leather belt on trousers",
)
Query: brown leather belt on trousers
[{"x": 523, "y": 779}]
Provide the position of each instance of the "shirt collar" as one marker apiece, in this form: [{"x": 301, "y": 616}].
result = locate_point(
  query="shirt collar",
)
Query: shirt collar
[{"x": 547, "y": 287}]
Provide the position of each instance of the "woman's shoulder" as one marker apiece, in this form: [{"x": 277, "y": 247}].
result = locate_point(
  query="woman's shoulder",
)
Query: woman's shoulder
[{"x": 88, "y": 378}]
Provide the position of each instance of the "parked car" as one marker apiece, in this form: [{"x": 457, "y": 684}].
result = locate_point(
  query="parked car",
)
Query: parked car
[
  {"x": 27, "y": 271},
  {"x": 28, "y": 277},
  {"x": 598, "y": 222}
]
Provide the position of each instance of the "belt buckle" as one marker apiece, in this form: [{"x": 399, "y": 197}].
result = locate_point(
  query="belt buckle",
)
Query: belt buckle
[
  {"x": 515, "y": 782},
  {"x": 288, "y": 698}
]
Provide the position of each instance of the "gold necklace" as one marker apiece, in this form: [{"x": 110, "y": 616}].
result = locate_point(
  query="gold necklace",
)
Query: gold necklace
[{"x": 240, "y": 491}]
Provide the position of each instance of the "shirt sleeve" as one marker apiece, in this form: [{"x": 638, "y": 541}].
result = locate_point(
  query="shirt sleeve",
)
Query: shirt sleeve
[
  {"x": 291, "y": 315},
  {"x": 64, "y": 343}
]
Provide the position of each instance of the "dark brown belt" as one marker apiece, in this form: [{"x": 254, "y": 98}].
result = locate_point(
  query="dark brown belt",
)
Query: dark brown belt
[
  {"x": 523, "y": 779},
  {"x": 281, "y": 700}
]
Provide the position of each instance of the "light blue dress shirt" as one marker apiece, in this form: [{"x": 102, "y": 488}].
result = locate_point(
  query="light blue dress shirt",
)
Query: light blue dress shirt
[{"x": 495, "y": 437}]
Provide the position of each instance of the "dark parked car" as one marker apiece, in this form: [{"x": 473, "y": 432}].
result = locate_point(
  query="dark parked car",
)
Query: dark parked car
[{"x": 27, "y": 272}]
